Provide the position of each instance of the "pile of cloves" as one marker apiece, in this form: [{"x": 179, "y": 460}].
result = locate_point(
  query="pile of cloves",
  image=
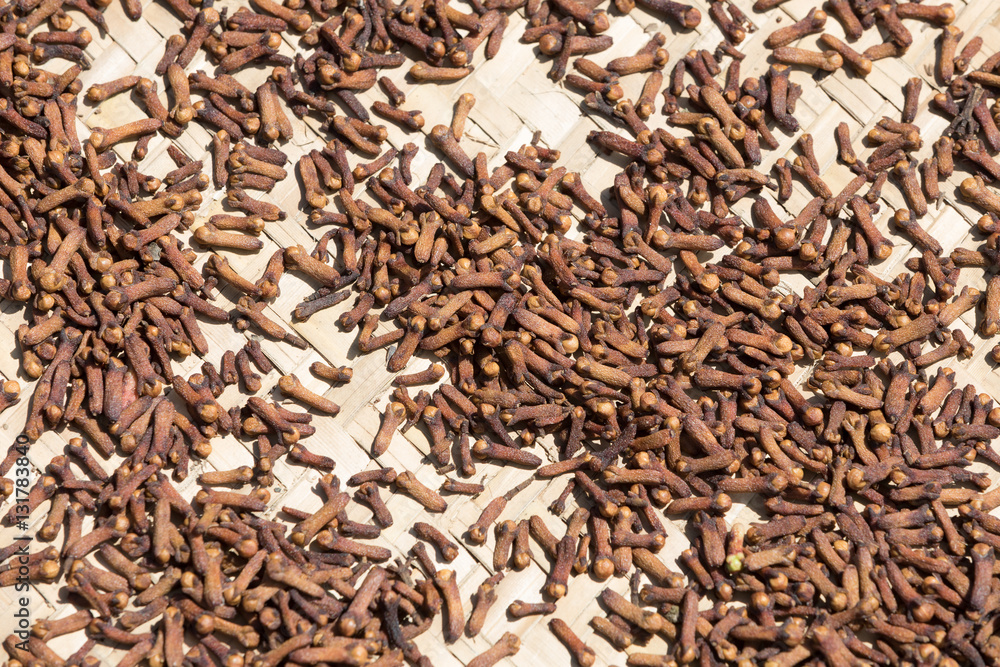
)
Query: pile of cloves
[{"x": 669, "y": 409}]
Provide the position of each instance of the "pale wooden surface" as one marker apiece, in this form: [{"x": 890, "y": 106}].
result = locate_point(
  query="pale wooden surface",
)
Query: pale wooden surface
[{"x": 514, "y": 98}]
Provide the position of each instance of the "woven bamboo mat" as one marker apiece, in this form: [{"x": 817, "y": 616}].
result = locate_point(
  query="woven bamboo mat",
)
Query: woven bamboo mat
[{"x": 514, "y": 99}]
